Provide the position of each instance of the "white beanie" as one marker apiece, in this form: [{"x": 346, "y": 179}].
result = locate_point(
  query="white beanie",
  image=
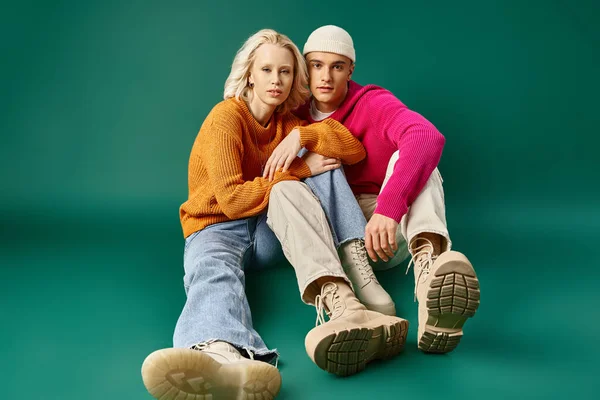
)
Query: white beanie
[{"x": 330, "y": 39}]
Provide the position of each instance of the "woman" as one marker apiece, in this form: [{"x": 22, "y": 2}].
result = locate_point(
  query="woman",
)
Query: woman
[{"x": 244, "y": 162}]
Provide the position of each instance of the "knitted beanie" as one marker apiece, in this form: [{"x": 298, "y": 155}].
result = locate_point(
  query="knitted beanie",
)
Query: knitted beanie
[{"x": 330, "y": 39}]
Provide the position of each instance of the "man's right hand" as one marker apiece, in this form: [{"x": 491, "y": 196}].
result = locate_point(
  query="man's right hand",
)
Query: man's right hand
[
  {"x": 319, "y": 164},
  {"x": 380, "y": 237}
]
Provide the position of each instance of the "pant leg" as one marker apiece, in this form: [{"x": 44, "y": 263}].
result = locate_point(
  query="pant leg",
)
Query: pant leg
[
  {"x": 339, "y": 204},
  {"x": 368, "y": 203},
  {"x": 216, "y": 306},
  {"x": 428, "y": 212},
  {"x": 267, "y": 251},
  {"x": 298, "y": 221}
]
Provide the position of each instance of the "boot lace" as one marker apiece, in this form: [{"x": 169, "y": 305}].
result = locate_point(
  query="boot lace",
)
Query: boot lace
[
  {"x": 422, "y": 260},
  {"x": 328, "y": 289},
  {"x": 202, "y": 345},
  {"x": 359, "y": 255}
]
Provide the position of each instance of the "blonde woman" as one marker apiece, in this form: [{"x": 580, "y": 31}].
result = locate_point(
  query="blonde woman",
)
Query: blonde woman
[{"x": 245, "y": 194}]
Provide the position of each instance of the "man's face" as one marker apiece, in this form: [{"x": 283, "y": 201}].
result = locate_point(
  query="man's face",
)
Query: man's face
[{"x": 329, "y": 74}]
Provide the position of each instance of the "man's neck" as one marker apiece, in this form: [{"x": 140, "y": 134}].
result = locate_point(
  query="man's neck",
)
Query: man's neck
[
  {"x": 325, "y": 108},
  {"x": 316, "y": 114}
]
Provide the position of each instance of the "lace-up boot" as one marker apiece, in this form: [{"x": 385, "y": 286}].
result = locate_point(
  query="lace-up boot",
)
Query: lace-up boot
[
  {"x": 210, "y": 370},
  {"x": 447, "y": 290},
  {"x": 366, "y": 286},
  {"x": 353, "y": 335}
]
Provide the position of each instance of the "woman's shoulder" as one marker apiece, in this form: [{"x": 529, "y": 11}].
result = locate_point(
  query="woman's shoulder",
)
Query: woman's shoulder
[
  {"x": 227, "y": 113},
  {"x": 229, "y": 107}
]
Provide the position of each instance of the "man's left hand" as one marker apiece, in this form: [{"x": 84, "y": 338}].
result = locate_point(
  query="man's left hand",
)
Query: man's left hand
[{"x": 380, "y": 237}]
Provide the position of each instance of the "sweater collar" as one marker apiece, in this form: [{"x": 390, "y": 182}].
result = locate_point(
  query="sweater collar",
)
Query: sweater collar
[{"x": 256, "y": 126}]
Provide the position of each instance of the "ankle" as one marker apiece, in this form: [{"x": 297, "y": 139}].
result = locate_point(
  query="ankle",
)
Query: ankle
[
  {"x": 322, "y": 281},
  {"x": 433, "y": 240}
]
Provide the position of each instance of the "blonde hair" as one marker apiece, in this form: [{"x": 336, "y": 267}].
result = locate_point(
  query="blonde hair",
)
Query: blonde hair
[{"x": 236, "y": 84}]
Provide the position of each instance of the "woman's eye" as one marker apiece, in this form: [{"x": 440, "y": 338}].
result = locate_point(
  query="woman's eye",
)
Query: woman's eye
[{"x": 266, "y": 69}]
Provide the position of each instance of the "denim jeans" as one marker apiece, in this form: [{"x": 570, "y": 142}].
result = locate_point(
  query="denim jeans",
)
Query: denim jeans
[
  {"x": 217, "y": 257},
  {"x": 215, "y": 260},
  {"x": 426, "y": 214},
  {"x": 343, "y": 212}
]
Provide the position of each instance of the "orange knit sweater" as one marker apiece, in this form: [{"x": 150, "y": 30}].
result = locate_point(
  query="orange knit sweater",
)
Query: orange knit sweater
[{"x": 225, "y": 170}]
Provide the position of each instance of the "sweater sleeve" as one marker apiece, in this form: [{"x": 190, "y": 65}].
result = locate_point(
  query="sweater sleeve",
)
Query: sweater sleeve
[
  {"x": 420, "y": 147},
  {"x": 222, "y": 153},
  {"x": 328, "y": 138}
]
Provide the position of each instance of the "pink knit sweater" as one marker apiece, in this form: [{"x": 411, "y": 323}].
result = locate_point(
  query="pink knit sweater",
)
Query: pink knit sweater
[{"x": 384, "y": 124}]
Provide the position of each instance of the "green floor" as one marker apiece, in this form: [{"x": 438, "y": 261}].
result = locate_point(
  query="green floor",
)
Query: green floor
[
  {"x": 87, "y": 297},
  {"x": 100, "y": 103}
]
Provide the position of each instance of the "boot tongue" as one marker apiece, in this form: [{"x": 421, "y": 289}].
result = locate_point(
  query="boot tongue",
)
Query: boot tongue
[
  {"x": 342, "y": 299},
  {"x": 362, "y": 260},
  {"x": 424, "y": 257},
  {"x": 331, "y": 299}
]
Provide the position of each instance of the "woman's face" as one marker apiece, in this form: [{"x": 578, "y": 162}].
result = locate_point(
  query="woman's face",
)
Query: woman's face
[{"x": 272, "y": 75}]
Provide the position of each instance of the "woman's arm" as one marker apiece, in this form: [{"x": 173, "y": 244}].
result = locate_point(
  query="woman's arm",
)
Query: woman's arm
[
  {"x": 331, "y": 139},
  {"x": 328, "y": 138},
  {"x": 221, "y": 153}
]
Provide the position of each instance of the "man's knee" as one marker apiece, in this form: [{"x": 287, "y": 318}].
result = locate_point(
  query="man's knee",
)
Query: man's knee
[
  {"x": 437, "y": 175},
  {"x": 285, "y": 188},
  {"x": 287, "y": 196}
]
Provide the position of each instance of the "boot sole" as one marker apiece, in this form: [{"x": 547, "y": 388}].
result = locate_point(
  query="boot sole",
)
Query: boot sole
[
  {"x": 452, "y": 298},
  {"x": 348, "y": 351},
  {"x": 192, "y": 375}
]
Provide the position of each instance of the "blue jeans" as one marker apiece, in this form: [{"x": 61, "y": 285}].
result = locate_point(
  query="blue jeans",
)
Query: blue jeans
[
  {"x": 216, "y": 258},
  {"x": 345, "y": 217}
]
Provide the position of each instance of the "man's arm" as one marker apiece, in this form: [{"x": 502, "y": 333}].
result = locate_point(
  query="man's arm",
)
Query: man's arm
[{"x": 420, "y": 147}]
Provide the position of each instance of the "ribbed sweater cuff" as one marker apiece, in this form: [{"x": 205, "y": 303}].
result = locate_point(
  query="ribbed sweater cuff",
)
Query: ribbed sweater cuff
[
  {"x": 309, "y": 137},
  {"x": 299, "y": 169},
  {"x": 395, "y": 213}
]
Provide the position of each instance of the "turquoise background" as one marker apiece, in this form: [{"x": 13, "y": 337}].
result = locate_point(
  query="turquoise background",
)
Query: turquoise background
[{"x": 101, "y": 102}]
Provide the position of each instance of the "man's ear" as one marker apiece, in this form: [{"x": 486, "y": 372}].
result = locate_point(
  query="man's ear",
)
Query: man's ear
[{"x": 351, "y": 71}]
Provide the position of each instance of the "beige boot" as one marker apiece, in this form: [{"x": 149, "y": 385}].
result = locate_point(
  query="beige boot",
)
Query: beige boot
[
  {"x": 447, "y": 290},
  {"x": 211, "y": 370},
  {"x": 353, "y": 336},
  {"x": 366, "y": 286}
]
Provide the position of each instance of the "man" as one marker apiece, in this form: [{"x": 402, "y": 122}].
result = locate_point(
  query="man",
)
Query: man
[{"x": 398, "y": 188}]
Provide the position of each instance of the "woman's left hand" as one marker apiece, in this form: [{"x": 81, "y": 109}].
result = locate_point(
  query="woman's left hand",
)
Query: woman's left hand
[{"x": 284, "y": 154}]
